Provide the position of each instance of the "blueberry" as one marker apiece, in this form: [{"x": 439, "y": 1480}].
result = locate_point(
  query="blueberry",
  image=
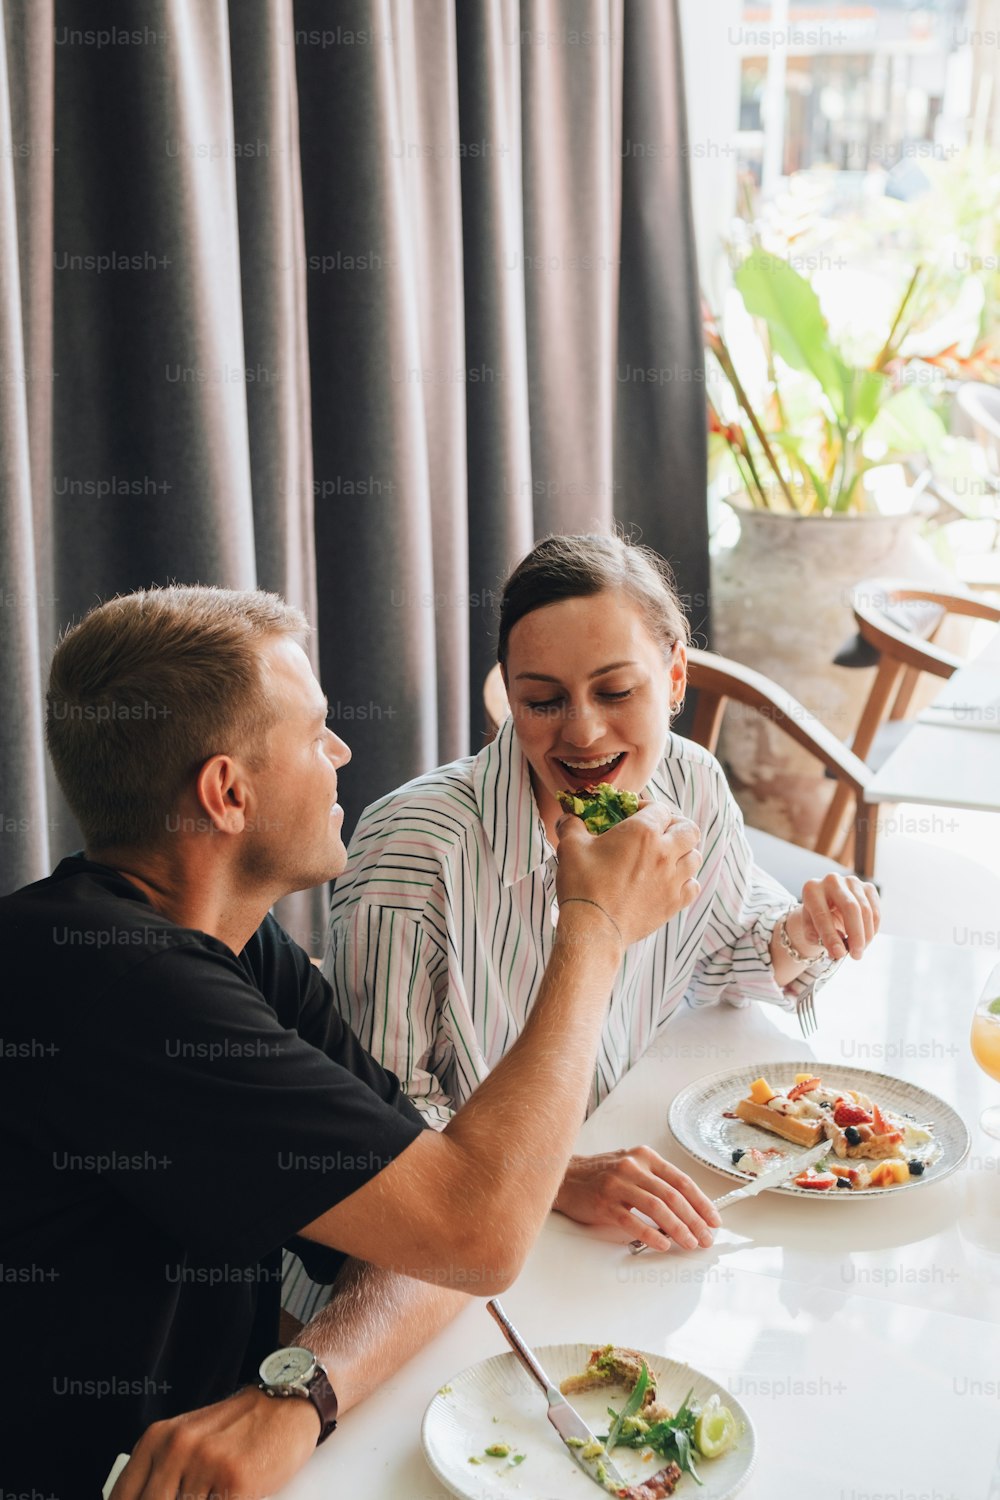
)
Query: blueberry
[
  {"x": 852, "y": 1136},
  {"x": 843, "y": 1182},
  {"x": 916, "y": 1168},
  {"x": 738, "y": 1152}
]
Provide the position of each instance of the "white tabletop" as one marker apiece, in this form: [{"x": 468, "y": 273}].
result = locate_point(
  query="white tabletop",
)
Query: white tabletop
[
  {"x": 951, "y": 756},
  {"x": 863, "y": 1337}
]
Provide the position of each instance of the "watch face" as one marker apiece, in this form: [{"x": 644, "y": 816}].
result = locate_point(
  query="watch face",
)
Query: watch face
[{"x": 292, "y": 1366}]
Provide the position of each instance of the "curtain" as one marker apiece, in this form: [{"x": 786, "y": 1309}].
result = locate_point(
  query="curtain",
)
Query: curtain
[{"x": 352, "y": 301}]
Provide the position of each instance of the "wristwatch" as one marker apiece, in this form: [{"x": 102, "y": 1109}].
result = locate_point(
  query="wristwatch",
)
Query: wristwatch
[{"x": 297, "y": 1372}]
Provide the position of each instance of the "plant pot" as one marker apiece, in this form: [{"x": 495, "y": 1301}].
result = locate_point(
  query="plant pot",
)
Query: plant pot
[{"x": 781, "y": 603}]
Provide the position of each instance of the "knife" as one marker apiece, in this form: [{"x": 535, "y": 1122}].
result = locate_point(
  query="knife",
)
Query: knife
[
  {"x": 566, "y": 1420},
  {"x": 773, "y": 1177}
]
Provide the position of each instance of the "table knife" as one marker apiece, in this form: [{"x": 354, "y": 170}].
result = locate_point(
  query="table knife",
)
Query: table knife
[
  {"x": 772, "y": 1177},
  {"x": 566, "y": 1420}
]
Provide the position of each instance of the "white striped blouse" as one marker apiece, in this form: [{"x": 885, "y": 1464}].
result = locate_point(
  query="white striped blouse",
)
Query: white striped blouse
[{"x": 443, "y": 921}]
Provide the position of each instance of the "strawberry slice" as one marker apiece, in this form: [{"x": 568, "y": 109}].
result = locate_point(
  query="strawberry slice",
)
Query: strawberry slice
[
  {"x": 850, "y": 1114},
  {"x": 805, "y": 1087},
  {"x": 818, "y": 1180}
]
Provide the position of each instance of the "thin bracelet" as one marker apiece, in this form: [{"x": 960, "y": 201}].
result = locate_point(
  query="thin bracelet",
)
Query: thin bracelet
[
  {"x": 787, "y": 944},
  {"x": 587, "y": 902}
]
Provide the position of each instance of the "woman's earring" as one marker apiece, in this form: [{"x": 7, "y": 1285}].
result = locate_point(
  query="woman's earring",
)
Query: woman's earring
[{"x": 678, "y": 707}]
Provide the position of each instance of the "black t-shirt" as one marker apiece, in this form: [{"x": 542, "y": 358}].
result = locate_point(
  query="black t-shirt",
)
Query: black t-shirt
[{"x": 170, "y": 1116}]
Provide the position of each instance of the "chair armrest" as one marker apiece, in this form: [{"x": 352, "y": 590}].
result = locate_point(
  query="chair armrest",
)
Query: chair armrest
[{"x": 722, "y": 678}]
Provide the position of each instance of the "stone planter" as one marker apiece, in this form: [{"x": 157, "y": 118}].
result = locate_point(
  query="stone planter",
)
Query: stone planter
[{"x": 781, "y": 604}]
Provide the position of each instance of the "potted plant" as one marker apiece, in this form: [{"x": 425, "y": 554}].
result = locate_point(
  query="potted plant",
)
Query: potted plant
[{"x": 816, "y": 442}]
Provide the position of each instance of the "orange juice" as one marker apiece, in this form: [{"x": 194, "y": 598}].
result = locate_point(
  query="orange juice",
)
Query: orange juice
[{"x": 985, "y": 1039}]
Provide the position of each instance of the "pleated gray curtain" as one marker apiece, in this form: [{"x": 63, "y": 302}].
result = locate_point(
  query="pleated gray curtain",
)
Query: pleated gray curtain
[{"x": 351, "y": 301}]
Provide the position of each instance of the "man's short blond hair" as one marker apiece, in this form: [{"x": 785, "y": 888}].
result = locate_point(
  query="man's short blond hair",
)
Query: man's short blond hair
[{"x": 145, "y": 689}]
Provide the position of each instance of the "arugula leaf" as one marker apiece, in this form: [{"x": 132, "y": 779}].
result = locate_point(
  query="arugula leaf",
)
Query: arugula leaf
[
  {"x": 685, "y": 1448},
  {"x": 673, "y": 1437},
  {"x": 630, "y": 1408}
]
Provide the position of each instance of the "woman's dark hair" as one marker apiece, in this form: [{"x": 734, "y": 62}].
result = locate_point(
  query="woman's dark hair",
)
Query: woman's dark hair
[{"x": 575, "y": 567}]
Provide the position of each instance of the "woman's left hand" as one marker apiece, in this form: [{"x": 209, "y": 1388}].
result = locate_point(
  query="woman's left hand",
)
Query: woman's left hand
[{"x": 840, "y": 912}]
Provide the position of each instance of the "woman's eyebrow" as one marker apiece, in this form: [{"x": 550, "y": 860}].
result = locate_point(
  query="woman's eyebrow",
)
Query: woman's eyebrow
[{"x": 543, "y": 677}]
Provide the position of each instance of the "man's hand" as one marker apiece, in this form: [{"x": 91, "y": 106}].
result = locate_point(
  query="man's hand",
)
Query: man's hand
[
  {"x": 604, "y": 1189},
  {"x": 642, "y": 872},
  {"x": 240, "y": 1449}
]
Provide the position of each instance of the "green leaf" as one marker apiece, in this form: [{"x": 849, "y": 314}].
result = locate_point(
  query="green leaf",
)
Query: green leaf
[
  {"x": 865, "y": 394},
  {"x": 771, "y": 289},
  {"x": 630, "y": 1408},
  {"x": 906, "y": 424},
  {"x": 685, "y": 1451}
]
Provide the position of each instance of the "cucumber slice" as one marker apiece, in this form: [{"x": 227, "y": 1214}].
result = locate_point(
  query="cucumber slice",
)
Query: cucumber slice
[
  {"x": 715, "y": 1431},
  {"x": 994, "y": 1007}
]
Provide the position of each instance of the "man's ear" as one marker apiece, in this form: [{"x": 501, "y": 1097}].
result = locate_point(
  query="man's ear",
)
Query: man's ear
[{"x": 222, "y": 792}]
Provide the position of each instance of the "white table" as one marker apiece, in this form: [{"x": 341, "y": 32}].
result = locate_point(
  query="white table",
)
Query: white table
[
  {"x": 863, "y": 1337},
  {"x": 944, "y": 764}
]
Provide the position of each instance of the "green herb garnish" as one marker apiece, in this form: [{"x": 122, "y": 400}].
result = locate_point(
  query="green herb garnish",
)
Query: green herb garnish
[
  {"x": 601, "y": 806},
  {"x": 673, "y": 1438},
  {"x": 630, "y": 1408}
]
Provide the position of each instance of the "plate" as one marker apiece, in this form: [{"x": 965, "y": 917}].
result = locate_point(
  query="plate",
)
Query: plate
[
  {"x": 697, "y": 1121},
  {"x": 496, "y": 1402}
]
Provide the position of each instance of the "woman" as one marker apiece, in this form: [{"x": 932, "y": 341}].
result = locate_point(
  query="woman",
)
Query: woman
[{"x": 443, "y": 919}]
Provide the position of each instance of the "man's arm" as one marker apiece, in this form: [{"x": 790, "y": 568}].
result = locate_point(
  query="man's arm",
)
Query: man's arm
[
  {"x": 251, "y": 1445},
  {"x": 473, "y": 1198}
]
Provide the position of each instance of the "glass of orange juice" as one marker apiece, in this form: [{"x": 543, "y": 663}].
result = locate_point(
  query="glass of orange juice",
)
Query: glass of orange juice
[{"x": 985, "y": 1043}]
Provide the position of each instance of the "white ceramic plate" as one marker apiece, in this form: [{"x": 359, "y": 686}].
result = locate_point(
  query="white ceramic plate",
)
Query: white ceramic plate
[
  {"x": 697, "y": 1119},
  {"x": 496, "y": 1402}
]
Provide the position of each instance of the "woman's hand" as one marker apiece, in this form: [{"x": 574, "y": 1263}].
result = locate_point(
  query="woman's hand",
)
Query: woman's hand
[
  {"x": 839, "y": 913},
  {"x": 604, "y": 1189}
]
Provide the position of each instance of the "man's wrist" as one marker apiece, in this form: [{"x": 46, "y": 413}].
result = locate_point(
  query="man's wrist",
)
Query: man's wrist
[
  {"x": 301, "y": 1415},
  {"x": 584, "y": 922}
]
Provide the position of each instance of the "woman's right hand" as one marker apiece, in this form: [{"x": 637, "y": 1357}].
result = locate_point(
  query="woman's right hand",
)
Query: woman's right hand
[
  {"x": 607, "y": 1189},
  {"x": 641, "y": 872}
]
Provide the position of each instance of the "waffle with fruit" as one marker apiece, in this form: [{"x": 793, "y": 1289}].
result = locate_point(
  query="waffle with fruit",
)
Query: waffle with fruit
[{"x": 853, "y": 1124}]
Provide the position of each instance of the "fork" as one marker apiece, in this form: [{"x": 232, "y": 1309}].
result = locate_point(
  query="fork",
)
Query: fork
[{"x": 805, "y": 1006}]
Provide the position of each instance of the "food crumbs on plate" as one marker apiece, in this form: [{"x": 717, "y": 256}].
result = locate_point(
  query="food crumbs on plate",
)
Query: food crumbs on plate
[
  {"x": 445, "y": 1390},
  {"x": 517, "y": 1458},
  {"x": 498, "y": 1450},
  {"x": 475, "y": 1460}
]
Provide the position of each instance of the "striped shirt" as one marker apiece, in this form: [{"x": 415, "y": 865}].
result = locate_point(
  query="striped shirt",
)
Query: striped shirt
[{"x": 444, "y": 919}]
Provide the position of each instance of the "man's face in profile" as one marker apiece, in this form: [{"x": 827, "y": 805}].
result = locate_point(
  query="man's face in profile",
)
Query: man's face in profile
[{"x": 294, "y": 823}]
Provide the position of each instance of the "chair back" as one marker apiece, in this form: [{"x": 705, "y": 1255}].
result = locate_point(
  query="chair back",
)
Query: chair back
[{"x": 979, "y": 414}]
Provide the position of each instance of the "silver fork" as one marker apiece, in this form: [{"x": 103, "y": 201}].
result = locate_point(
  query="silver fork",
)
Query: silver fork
[{"x": 805, "y": 1007}]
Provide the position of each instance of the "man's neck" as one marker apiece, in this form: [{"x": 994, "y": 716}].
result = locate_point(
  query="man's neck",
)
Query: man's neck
[{"x": 199, "y": 898}]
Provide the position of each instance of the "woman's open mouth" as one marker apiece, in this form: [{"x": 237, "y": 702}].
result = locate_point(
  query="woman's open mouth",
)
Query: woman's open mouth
[{"x": 588, "y": 772}]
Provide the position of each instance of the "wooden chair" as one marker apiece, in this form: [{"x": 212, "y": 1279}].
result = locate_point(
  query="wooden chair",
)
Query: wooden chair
[
  {"x": 717, "y": 681},
  {"x": 903, "y": 649}
]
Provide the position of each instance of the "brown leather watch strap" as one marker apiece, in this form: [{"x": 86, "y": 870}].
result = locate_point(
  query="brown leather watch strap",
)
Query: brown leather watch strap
[{"x": 324, "y": 1398}]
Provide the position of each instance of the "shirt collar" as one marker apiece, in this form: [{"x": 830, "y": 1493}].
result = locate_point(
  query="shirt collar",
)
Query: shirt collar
[{"x": 502, "y": 783}]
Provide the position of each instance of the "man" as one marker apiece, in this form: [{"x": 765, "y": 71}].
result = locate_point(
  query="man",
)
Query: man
[{"x": 181, "y": 1098}]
